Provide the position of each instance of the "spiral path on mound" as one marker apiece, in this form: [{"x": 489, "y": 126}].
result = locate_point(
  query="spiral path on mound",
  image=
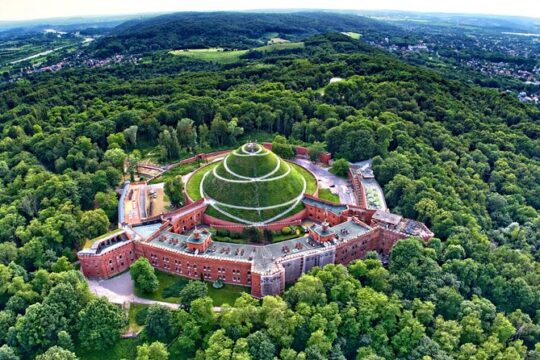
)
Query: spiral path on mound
[{"x": 218, "y": 205}]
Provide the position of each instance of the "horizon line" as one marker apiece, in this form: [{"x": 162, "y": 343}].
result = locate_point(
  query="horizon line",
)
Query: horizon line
[{"x": 256, "y": 10}]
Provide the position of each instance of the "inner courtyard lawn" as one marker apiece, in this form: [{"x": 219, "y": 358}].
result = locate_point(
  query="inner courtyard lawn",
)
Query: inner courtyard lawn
[
  {"x": 171, "y": 284},
  {"x": 326, "y": 194}
]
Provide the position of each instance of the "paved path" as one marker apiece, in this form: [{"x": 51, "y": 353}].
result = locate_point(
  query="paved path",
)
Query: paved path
[
  {"x": 325, "y": 179},
  {"x": 119, "y": 290}
]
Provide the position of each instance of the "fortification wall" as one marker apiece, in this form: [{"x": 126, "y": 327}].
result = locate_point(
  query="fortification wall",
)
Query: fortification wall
[
  {"x": 109, "y": 262},
  {"x": 293, "y": 220}
]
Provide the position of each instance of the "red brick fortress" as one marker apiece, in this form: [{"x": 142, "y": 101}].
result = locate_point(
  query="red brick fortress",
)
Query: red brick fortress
[{"x": 180, "y": 242}]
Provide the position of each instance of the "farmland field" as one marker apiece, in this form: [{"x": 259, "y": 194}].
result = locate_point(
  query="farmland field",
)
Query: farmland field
[{"x": 217, "y": 55}]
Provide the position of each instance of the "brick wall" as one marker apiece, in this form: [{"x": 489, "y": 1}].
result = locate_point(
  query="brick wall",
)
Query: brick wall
[
  {"x": 109, "y": 262},
  {"x": 357, "y": 248},
  {"x": 293, "y": 220},
  {"x": 198, "y": 267},
  {"x": 317, "y": 214}
]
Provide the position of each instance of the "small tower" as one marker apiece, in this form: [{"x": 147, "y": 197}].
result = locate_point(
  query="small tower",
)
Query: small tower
[
  {"x": 199, "y": 240},
  {"x": 322, "y": 233},
  {"x": 325, "y": 225}
]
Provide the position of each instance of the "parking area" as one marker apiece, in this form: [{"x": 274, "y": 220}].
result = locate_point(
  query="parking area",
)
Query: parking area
[{"x": 326, "y": 180}]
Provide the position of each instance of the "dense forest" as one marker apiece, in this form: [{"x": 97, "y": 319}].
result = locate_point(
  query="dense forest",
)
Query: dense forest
[
  {"x": 462, "y": 159},
  {"x": 227, "y": 30}
]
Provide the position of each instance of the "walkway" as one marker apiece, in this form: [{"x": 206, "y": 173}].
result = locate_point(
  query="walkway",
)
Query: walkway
[{"x": 119, "y": 290}]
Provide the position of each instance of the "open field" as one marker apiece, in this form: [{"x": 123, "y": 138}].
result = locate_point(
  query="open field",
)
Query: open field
[
  {"x": 353, "y": 35},
  {"x": 281, "y": 46},
  {"x": 223, "y": 56},
  {"x": 217, "y": 55}
]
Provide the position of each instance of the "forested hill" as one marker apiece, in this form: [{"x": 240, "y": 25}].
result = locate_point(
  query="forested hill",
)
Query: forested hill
[
  {"x": 462, "y": 159},
  {"x": 225, "y": 29}
]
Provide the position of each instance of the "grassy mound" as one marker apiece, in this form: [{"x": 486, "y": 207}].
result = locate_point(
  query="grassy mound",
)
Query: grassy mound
[
  {"x": 257, "y": 193},
  {"x": 286, "y": 188},
  {"x": 250, "y": 166}
]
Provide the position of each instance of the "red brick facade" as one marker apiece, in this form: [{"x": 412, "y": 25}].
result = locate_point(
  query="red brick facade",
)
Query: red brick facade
[
  {"x": 197, "y": 267},
  {"x": 108, "y": 262}
]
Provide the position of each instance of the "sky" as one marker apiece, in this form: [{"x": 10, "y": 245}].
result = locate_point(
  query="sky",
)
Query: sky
[{"x": 12, "y": 10}]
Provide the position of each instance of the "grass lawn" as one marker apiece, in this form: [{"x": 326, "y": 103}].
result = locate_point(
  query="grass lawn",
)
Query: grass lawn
[
  {"x": 217, "y": 55},
  {"x": 277, "y": 236},
  {"x": 271, "y": 190},
  {"x": 123, "y": 349},
  {"x": 169, "y": 283},
  {"x": 311, "y": 182},
  {"x": 326, "y": 194},
  {"x": 134, "y": 309},
  {"x": 192, "y": 186}
]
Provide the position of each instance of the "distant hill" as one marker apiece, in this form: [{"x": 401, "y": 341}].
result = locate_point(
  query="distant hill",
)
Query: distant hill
[{"x": 232, "y": 30}]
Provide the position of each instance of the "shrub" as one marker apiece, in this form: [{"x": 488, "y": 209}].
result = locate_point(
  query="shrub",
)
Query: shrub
[
  {"x": 140, "y": 317},
  {"x": 286, "y": 230}
]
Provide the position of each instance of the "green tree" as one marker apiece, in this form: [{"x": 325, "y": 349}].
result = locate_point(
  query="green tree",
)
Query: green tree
[
  {"x": 282, "y": 148},
  {"x": 153, "y": 351},
  {"x": 192, "y": 291},
  {"x": 57, "y": 353},
  {"x": 116, "y": 141},
  {"x": 94, "y": 223},
  {"x": 158, "y": 324},
  {"x": 315, "y": 150},
  {"x": 7, "y": 353},
  {"x": 116, "y": 158},
  {"x": 174, "y": 189},
  {"x": 130, "y": 135},
  {"x": 260, "y": 346},
  {"x": 340, "y": 167},
  {"x": 100, "y": 324},
  {"x": 143, "y": 275},
  {"x": 187, "y": 135},
  {"x": 108, "y": 202}
]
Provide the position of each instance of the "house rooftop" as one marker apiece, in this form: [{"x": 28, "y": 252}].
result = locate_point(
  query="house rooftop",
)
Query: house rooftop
[{"x": 387, "y": 217}]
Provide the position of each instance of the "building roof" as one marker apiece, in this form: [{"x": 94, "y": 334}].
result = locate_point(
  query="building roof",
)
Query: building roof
[
  {"x": 107, "y": 242},
  {"x": 334, "y": 208},
  {"x": 144, "y": 231},
  {"x": 387, "y": 217},
  {"x": 414, "y": 228},
  {"x": 319, "y": 230},
  {"x": 262, "y": 256},
  {"x": 350, "y": 230}
]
